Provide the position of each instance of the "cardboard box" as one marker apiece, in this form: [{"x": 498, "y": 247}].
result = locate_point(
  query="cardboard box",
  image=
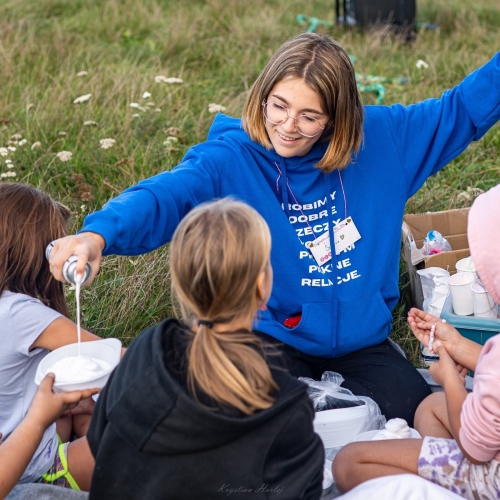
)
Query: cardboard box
[{"x": 452, "y": 224}]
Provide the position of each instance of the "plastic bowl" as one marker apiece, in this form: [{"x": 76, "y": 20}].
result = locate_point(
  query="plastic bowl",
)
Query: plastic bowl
[
  {"x": 369, "y": 435},
  {"x": 338, "y": 427},
  {"x": 108, "y": 350}
]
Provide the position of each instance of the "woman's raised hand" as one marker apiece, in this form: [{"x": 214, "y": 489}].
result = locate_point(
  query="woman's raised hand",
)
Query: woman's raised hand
[{"x": 87, "y": 247}]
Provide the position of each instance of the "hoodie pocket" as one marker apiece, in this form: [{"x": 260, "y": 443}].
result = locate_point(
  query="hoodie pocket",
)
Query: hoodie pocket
[{"x": 313, "y": 332}]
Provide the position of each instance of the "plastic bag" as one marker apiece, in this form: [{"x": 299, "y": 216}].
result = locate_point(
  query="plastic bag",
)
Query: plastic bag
[
  {"x": 435, "y": 289},
  {"x": 327, "y": 394},
  {"x": 434, "y": 243}
]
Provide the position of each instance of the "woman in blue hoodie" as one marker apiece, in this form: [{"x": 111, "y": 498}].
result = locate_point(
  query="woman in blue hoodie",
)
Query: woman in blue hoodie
[{"x": 331, "y": 178}]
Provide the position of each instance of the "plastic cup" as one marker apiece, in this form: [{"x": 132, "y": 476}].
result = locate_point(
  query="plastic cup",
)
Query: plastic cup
[
  {"x": 484, "y": 305},
  {"x": 466, "y": 266},
  {"x": 461, "y": 293}
]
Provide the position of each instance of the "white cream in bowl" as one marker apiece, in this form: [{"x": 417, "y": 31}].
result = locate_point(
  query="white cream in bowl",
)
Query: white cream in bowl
[{"x": 73, "y": 369}]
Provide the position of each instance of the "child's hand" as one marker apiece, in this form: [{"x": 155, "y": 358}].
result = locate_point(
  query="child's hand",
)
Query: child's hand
[
  {"x": 446, "y": 370},
  {"x": 47, "y": 405},
  {"x": 421, "y": 323},
  {"x": 85, "y": 406}
]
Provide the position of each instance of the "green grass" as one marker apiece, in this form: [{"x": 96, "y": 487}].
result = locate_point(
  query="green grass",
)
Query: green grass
[{"x": 217, "y": 47}]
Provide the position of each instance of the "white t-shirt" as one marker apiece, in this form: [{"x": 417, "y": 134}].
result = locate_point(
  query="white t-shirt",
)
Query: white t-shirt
[{"x": 22, "y": 320}]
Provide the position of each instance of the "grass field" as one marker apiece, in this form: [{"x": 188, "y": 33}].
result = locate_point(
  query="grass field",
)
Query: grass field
[{"x": 53, "y": 52}]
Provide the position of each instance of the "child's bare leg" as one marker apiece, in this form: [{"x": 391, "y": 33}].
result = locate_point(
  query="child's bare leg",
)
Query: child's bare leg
[
  {"x": 359, "y": 462},
  {"x": 64, "y": 428},
  {"x": 81, "y": 462},
  {"x": 431, "y": 417},
  {"x": 81, "y": 424}
]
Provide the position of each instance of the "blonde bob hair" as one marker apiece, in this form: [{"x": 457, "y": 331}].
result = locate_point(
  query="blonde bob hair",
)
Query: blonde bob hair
[
  {"x": 326, "y": 68},
  {"x": 217, "y": 255}
]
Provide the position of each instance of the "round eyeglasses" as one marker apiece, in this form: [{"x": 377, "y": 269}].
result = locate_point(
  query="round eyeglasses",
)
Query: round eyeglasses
[{"x": 278, "y": 114}]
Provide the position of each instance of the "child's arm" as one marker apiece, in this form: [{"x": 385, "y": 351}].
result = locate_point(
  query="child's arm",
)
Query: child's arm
[
  {"x": 463, "y": 351},
  {"x": 445, "y": 373},
  {"x": 17, "y": 451},
  {"x": 60, "y": 332}
]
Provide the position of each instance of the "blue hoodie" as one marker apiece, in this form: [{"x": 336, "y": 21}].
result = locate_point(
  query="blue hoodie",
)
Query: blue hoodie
[{"x": 345, "y": 304}]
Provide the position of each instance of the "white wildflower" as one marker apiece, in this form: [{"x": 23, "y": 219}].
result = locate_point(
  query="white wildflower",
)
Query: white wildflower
[
  {"x": 215, "y": 108},
  {"x": 170, "y": 140},
  {"x": 150, "y": 104},
  {"x": 9, "y": 163},
  {"x": 164, "y": 79},
  {"x": 83, "y": 208},
  {"x": 421, "y": 64},
  {"x": 62, "y": 133},
  {"x": 158, "y": 110},
  {"x": 4, "y": 152},
  {"x": 35, "y": 145},
  {"x": 16, "y": 137},
  {"x": 107, "y": 143},
  {"x": 64, "y": 155},
  {"x": 137, "y": 106},
  {"x": 8, "y": 174},
  {"x": 90, "y": 122},
  {"x": 82, "y": 73},
  {"x": 146, "y": 95},
  {"x": 82, "y": 98},
  {"x": 22, "y": 142},
  {"x": 135, "y": 115},
  {"x": 11, "y": 148}
]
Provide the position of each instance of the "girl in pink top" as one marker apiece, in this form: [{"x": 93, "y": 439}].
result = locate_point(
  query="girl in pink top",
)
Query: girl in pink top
[{"x": 461, "y": 446}]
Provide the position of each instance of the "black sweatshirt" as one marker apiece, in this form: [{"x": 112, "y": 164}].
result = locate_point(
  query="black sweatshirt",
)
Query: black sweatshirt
[{"x": 152, "y": 440}]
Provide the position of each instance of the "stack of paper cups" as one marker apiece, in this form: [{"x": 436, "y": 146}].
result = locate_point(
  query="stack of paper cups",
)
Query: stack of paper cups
[
  {"x": 461, "y": 293},
  {"x": 466, "y": 266},
  {"x": 484, "y": 305}
]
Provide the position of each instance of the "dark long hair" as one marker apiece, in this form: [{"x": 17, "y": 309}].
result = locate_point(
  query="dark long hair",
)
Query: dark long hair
[{"x": 29, "y": 221}]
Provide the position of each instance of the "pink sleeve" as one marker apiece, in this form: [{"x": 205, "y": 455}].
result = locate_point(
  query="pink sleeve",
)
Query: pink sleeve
[{"x": 480, "y": 417}]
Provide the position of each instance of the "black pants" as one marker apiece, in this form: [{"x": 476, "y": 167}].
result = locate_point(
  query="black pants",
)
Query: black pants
[{"x": 379, "y": 372}]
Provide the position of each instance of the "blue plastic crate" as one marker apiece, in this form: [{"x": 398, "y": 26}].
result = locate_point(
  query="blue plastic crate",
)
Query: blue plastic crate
[{"x": 477, "y": 329}]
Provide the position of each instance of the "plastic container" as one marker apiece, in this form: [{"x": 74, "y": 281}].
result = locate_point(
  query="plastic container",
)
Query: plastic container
[
  {"x": 461, "y": 293},
  {"x": 108, "y": 350},
  {"x": 477, "y": 329},
  {"x": 339, "y": 427}
]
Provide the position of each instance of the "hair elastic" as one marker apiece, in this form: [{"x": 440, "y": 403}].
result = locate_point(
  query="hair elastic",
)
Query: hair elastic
[{"x": 205, "y": 322}]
